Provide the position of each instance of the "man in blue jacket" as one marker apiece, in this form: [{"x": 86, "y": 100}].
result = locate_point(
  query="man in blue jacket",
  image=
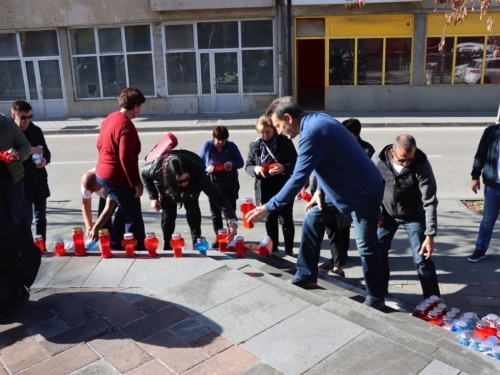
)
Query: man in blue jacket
[{"x": 348, "y": 182}]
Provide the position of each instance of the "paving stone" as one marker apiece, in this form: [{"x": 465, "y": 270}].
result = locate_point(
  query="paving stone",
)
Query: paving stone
[
  {"x": 460, "y": 302},
  {"x": 491, "y": 289},
  {"x": 462, "y": 289},
  {"x": 132, "y": 295},
  {"x": 150, "y": 304},
  {"x": 371, "y": 354},
  {"x": 189, "y": 329},
  {"x": 261, "y": 368},
  {"x": 151, "y": 368},
  {"x": 87, "y": 331},
  {"x": 2, "y": 370},
  {"x": 251, "y": 313},
  {"x": 109, "y": 272},
  {"x": 328, "y": 334},
  {"x": 75, "y": 271},
  {"x": 173, "y": 352},
  {"x": 50, "y": 296},
  {"x": 22, "y": 354},
  {"x": 48, "y": 328},
  {"x": 117, "y": 311},
  {"x": 439, "y": 368},
  {"x": 211, "y": 343},
  {"x": 74, "y": 311},
  {"x": 231, "y": 361},
  {"x": 49, "y": 267},
  {"x": 100, "y": 367},
  {"x": 171, "y": 271},
  {"x": 64, "y": 363},
  {"x": 11, "y": 333},
  {"x": 481, "y": 310},
  {"x": 94, "y": 294},
  {"x": 122, "y": 353},
  {"x": 483, "y": 301},
  {"x": 33, "y": 313},
  {"x": 209, "y": 290},
  {"x": 151, "y": 324},
  {"x": 465, "y": 364}
]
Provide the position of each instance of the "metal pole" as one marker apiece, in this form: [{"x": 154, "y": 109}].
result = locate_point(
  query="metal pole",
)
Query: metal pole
[{"x": 279, "y": 11}]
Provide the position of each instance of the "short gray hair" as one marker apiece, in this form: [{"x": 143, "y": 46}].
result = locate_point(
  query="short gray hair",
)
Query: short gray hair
[
  {"x": 404, "y": 141},
  {"x": 281, "y": 106}
]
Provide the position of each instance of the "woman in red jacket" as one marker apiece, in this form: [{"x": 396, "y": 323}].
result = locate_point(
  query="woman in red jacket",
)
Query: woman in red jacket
[{"x": 117, "y": 168}]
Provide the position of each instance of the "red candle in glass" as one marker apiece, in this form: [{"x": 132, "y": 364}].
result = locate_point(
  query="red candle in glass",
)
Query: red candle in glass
[
  {"x": 219, "y": 167},
  {"x": 221, "y": 238},
  {"x": 6, "y": 157},
  {"x": 59, "y": 248},
  {"x": 240, "y": 247},
  {"x": 39, "y": 242},
  {"x": 129, "y": 243},
  {"x": 78, "y": 242},
  {"x": 151, "y": 243},
  {"x": 177, "y": 243},
  {"x": 247, "y": 206},
  {"x": 105, "y": 244},
  {"x": 265, "y": 247}
]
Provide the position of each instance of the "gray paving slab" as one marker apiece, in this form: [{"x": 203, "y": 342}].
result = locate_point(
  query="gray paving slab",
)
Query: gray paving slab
[
  {"x": 439, "y": 368},
  {"x": 261, "y": 368},
  {"x": 252, "y": 312},
  {"x": 110, "y": 272},
  {"x": 189, "y": 329},
  {"x": 100, "y": 367},
  {"x": 209, "y": 290},
  {"x": 49, "y": 267},
  {"x": 309, "y": 328},
  {"x": 47, "y": 329},
  {"x": 163, "y": 273},
  {"x": 371, "y": 354},
  {"x": 132, "y": 295},
  {"x": 75, "y": 271},
  {"x": 464, "y": 364}
]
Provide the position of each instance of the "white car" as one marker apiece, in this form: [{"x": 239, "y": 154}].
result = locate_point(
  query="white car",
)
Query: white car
[{"x": 491, "y": 71}]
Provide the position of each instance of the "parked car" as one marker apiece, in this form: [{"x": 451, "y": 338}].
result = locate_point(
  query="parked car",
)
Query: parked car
[{"x": 491, "y": 71}]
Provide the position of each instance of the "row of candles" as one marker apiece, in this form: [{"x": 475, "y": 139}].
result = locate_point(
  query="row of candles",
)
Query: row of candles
[{"x": 482, "y": 335}]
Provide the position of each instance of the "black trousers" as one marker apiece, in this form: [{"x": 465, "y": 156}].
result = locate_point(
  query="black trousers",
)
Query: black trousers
[
  {"x": 217, "y": 222},
  {"x": 169, "y": 215},
  {"x": 285, "y": 218},
  {"x": 339, "y": 243}
]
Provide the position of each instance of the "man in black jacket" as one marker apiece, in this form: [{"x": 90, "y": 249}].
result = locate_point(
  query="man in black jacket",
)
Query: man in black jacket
[
  {"x": 36, "y": 187},
  {"x": 177, "y": 179},
  {"x": 409, "y": 200}
]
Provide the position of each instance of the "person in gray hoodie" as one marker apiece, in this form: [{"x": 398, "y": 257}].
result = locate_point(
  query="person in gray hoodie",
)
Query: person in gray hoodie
[{"x": 409, "y": 200}]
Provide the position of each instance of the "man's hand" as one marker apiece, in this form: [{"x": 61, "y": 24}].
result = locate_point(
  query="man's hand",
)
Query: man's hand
[
  {"x": 278, "y": 169},
  {"x": 139, "y": 190},
  {"x": 156, "y": 205},
  {"x": 42, "y": 164},
  {"x": 257, "y": 214},
  {"x": 475, "y": 185},
  {"x": 210, "y": 169},
  {"x": 93, "y": 234},
  {"x": 316, "y": 199},
  {"x": 14, "y": 154},
  {"x": 427, "y": 247},
  {"x": 36, "y": 150},
  {"x": 228, "y": 165},
  {"x": 381, "y": 221},
  {"x": 232, "y": 231},
  {"x": 258, "y": 171}
]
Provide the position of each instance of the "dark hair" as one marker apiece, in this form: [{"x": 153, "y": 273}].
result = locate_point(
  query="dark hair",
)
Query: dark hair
[
  {"x": 353, "y": 125},
  {"x": 406, "y": 142},
  {"x": 21, "y": 106},
  {"x": 175, "y": 166},
  {"x": 281, "y": 106},
  {"x": 221, "y": 133},
  {"x": 130, "y": 98}
]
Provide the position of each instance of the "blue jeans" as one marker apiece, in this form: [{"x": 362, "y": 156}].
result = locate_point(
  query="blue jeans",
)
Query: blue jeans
[
  {"x": 38, "y": 209},
  {"x": 365, "y": 223},
  {"x": 490, "y": 215},
  {"x": 415, "y": 230},
  {"x": 128, "y": 217}
]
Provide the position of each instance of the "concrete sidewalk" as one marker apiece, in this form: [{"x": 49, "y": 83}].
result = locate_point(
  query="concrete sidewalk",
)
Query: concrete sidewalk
[{"x": 247, "y": 121}]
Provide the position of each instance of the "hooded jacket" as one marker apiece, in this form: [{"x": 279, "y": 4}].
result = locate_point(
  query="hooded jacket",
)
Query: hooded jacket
[
  {"x": 411, "y": 192},
  {"x": 486, "y": 158}
]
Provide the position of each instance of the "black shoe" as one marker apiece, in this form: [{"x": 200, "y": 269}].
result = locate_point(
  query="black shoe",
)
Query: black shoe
[
  {"x": 476, "y": 256},
  {"x": 16, "y": 305},
  {"x": 215, "y": 245},
  {"x": 304, "y": 283},
  {"x": 289, "y": 252}
]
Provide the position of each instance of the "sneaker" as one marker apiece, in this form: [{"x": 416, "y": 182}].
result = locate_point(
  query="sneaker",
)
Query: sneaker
[
  {"x": 476, "y": 256},
  {"x": 377, "y": 305},
  {"x": 16, "y": 305},
  {"x": 304, "y": 283}
]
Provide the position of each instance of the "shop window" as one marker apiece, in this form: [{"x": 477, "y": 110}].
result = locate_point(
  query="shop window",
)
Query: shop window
[
  {"x": 439, "y": 65},
  {"x": 214, "y": 35},
  {"x": 107, "y": 60},
  {"x": 181, "y": 73},
  {"x": 258, "y": 73},
  {"x": 11, "y": 75},
  {"x": 397, "y": 61},
  {"x": 342, "y": 53},
  {"x": 370, "y": 61},
  {"x": 39, "y": 43}
]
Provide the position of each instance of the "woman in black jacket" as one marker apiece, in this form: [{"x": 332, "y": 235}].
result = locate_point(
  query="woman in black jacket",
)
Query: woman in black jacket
[
  {"x": 177, "y": 179},
  {"x": 279, "y": 153}
]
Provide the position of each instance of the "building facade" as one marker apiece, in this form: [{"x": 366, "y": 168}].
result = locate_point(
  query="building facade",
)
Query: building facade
[{"x": 73, "y": 57}]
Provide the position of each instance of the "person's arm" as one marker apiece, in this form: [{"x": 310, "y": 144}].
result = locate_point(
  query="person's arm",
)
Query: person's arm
[
  {"x": 87, "y": 214},
  {"x": 237, "y": 160},
  {"x": 148, "y": 180},
  {"x": 480, "y": 156},
  {"x": 428, "y": 189},
  {"x": 251, "y": 162},
  {"x": 21, "y": 144},
  {"x": 128, "y": 142},
  {"x": 103, "y": 218}
]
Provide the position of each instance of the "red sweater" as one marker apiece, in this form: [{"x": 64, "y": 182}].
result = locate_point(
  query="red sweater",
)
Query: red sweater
[{"x": 119, "y": 147}]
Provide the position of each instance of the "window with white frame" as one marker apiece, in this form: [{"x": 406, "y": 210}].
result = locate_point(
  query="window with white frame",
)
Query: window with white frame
[
  {"x": 107, "y": 60},
  {"x": 11, "y": 74}
]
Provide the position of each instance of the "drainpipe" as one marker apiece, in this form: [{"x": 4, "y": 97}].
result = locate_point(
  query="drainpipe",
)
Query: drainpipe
[
  {"x": 279, "y": 14},
  {"x": 289, "y": 47}
]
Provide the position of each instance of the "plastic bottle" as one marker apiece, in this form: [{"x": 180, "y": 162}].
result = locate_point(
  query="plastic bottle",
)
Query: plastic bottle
[
  {"x": 129, "y": 243},
  {"x": 247, "y": 206},
  {"x": 105, "y": 244},
  {"x": 202, "y": 245},
  {"x": 151, "y": 244},
  {"x": 265, "y": 247},
  {"x": 37, "y": 159},
  {"x": 78, "y": 242},
  {"x": 240, "y": 247},
  {"x": 177, "y": 243},
  {"x": 59, "y": 248},
  {"x": 40, "y": 243},
  {"x": 221, "y": 238}
]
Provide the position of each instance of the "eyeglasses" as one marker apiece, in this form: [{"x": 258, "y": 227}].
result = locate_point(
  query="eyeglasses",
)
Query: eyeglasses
[
  {"x": 26, "y": 117},
  {"x": 185, "y": 181}
]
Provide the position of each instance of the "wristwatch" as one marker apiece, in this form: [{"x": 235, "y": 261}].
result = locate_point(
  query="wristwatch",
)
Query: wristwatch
[{"x": 233, "y": 222}]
